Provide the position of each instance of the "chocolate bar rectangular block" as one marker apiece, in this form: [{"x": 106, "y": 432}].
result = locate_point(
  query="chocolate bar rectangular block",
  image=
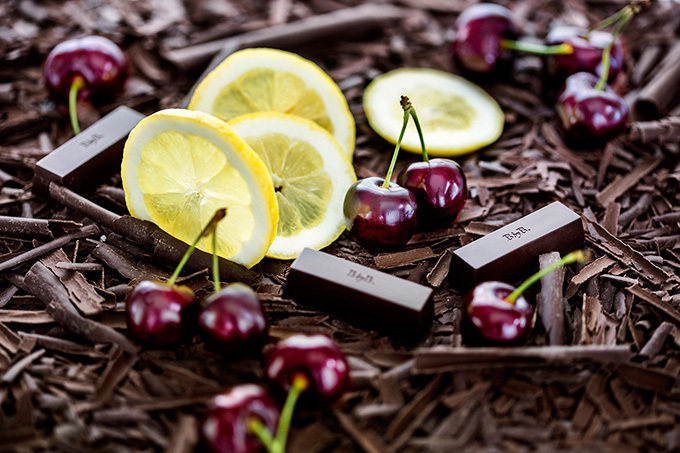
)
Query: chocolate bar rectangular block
[
  {"x": 85, "y": 160},
  {"x": 512, "y": 251},
  {"x": 369, "y": 297}
]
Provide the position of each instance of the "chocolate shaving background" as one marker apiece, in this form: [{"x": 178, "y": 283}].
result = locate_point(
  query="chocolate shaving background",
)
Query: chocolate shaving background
[{"x": 606, "y": 378}]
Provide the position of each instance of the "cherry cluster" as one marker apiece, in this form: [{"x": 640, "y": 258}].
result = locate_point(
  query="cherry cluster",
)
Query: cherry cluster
[
  {"x": 582, "y": 61},
  {"x": 232, "y": 322},
  {"x": 429, "y": 194}
]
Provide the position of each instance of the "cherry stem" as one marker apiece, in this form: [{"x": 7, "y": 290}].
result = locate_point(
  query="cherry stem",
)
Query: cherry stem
[
  {"x": 632, "y": 8},
  {"x": 572, "y": 257},
  {"x": 386, "y": 182},
  {"x": 76, "y": 84},
  {"x": 215, "y": 263},
  {"x": 627, "y": 15},
  {"x": 256, "y": 427},
  {"x": 219, "y": 215},
  {"x": 538, "y": 49},
  {"x": 408, "y": 107},
  {"x": 299, "y": 385}
]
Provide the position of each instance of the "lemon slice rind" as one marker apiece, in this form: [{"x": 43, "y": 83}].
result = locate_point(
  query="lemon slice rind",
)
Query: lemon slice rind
[
  {"x": 261, "y": 196},
  {"x": 334, "y": 163},
  {"x": 239, "y": 63},
  {"x": 479, "y": 119}
]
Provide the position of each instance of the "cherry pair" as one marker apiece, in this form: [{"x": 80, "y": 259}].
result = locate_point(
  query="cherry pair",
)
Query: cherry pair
[
  {"x": 431, "y": 193},
  {"x": 91, "y": 68},
  {"x": 231, "y": 321},
  {"x": 487, "y": 38},
  {"x": 242, "y": 420},
  {"x": 498, "y": 313}
]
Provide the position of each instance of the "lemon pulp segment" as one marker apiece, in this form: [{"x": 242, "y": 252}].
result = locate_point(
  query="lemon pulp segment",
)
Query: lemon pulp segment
[
  {"x": 185, "y": 179},
  {"x": 303, "y": 188},
  {"x": 263, "y": 89}
]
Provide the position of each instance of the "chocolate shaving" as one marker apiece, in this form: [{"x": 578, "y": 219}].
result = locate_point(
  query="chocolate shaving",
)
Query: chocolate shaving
[
  {"x": 399, "y": 259},
  {"x": 369, "y": 442},
  {"x": 639, "y": 208},
  {"x": 611, "y": 218},
  {"x": 26, "y": 316},
  {"x": 563, "y": 153},
  {"x": 35, "y": 253},
  {"x": 115, "y": 372},
  {"x": 15, "y": 370},
  {"x": 549, "y": 301},
  {"x": 661, "y": 131},
  {"x": 80, "y": 291},
  {"x": 440, "y": 359},
  {"x": 126, "y": 265},
  {"x": 440, "y": 270},
  {"x": 653, "y": 300},
  {"x": 656, "y": 342},
  {"x": 647, "y": 378},
  {"x": 21, "y": 227},
  {"x": 622, "y": 184},
  {"x": 49, "y": 289},
  {"x": 656, "y": 97}
]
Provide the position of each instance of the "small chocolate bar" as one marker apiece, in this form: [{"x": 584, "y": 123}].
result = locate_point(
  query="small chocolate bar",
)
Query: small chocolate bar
[
  {"x": 85, "y": 160},
  {"x": 369, "y": 297},
  {"x": 510, "y": 252}
]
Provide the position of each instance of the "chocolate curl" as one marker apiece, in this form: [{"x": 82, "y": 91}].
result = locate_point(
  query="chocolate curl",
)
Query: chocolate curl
[
  {"x": 666, "y": 129},
  {"x": 46, "y": 286},
  {"x": 164, "y": 248},
  {"x": 656, "y": 97}
]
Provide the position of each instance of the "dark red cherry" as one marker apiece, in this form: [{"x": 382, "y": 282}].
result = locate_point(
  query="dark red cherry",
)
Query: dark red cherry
[
  {"x": 232, "y": 321},
  {"x": 99, "y": 61},
  {"x": 492, "y": 317},
  {"x": 159, "y": 314},
  {"x": 587, "y": 55},
  {"x": 379, "y": 217},
  {"x": 440, "y": 189},
  {"x": 318, "y": 358},
  {"x": 224, "y": 428},
  {"x": 588, "y": 117},
  {"x": 479, "y": 31}
]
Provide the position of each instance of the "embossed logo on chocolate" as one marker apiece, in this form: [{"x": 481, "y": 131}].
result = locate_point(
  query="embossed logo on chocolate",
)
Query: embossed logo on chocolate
[
  {"x": 91, "y": 140},
  {"x": 517, "y": 233},
  {"x": 360, "y": 277}
]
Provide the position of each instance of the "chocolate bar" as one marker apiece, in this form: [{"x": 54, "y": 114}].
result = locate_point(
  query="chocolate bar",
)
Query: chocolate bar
[
  {"x": 85, "y": 160},
  {"x": 510, "y": 252},
  {"x": 369, "y": 297}
]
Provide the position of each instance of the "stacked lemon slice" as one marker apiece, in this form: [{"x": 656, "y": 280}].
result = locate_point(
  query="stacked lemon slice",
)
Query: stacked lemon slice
[{"x": 281, "y": 166}]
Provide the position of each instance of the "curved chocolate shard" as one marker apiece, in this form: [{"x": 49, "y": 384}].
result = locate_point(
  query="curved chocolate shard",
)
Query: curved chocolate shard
[
  {"x": 371, "y": 298},
  {"x": 512, "y": 251}
]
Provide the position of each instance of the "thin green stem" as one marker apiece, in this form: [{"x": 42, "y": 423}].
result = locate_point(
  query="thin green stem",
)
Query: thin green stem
[
  {"x": 215, "y": 263},
  {"x": 412, "y": 111},
  {"x": 606, "y": 53},
  {"x": 256, "y": 427},
  {"x": 538, "y": 49},
  {"x": 299, "y": 385},
  {"x": 76, "y": 84},
  {"x": 386, "y": 183},
  {"x": 632, "y": 9},
  {"x": 572, "y": 257},
  {"x": 219, "y": 215}
]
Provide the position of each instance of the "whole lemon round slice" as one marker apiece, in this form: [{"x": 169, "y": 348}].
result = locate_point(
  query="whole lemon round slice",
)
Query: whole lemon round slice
[
  {"x": 311, "y": 174},
  {"x": 456, "y": 115},
  {"x": 180, "y": 166},
  {"x": 260, "y": 80}
]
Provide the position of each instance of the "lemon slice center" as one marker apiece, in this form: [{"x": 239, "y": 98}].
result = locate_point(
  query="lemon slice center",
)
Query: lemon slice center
[
  {"x": 439, "y": 111},
  {"x": 303, "y": 188},
  {"x": 185, "y": 178},
  {"x": 265, "y": 89}
]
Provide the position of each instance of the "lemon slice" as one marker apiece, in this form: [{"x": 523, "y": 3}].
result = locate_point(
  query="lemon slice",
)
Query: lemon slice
[
  {"x": 456, "y": 115},
  {"x": 311, "y": 174},
  {"x": 180, "y": 166},
  {"x": 258, "y": 80}
]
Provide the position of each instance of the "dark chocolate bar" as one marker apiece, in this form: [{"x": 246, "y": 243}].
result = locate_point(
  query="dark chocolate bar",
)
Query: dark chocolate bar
[
  {"x": 369, "y": 297},
  {"x": 88, "y": 158},
  {"x": 512, "y": 251}
]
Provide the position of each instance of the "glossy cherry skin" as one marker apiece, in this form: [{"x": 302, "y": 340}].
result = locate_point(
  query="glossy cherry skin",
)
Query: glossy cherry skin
[
  {"x": 224, "y": 428},
  {"x": 589, "y": 118},
  {"x": 440, "y": 189},
  {"x": 232, "y": 321},
  {"x": 159, "y": 314},
  {"x": 494, "y": 318},
  {"x": 479, "y": 30},
  {"x": 587, "y": 55},
  {"x": 318, "y": 358},
  {"x": 99, "y": 61},
  {"x": 378, "y": 217}
]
